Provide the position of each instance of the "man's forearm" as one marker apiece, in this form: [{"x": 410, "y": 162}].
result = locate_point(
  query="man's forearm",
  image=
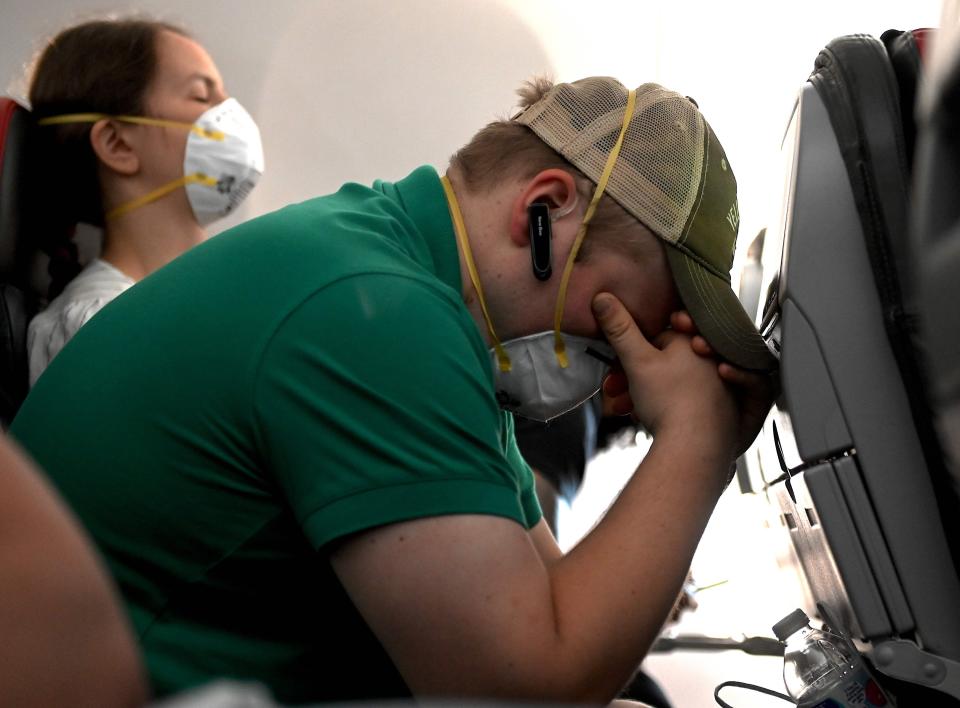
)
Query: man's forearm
[
  {"x": 475, "y": 605},
  {"x": 613, "y": 591}
]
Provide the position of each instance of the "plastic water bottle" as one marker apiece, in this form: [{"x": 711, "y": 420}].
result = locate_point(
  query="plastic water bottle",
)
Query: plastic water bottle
[{"x": 821, "y": 670}]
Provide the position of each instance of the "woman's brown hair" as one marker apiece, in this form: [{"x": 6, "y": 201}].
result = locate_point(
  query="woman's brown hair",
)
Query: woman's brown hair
[{"x": 101, "y": 66}]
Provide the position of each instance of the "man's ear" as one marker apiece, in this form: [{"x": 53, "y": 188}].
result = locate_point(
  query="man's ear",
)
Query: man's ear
[
  {"x": 112, "y": 147},
  {"x": 554, "y": 187}
]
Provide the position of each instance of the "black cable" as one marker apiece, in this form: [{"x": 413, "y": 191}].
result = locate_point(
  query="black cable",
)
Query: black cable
[{"x": 751, "y": 687}]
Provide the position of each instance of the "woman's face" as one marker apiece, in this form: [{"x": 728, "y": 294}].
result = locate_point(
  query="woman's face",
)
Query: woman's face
[{"x": 186, "y": 83}]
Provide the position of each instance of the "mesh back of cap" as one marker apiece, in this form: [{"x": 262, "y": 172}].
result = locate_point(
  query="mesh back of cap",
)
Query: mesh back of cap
[{"x": 658, "y": 173}]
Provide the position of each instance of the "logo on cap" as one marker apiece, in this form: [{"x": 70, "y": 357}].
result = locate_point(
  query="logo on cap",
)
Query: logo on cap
[{"x": 733, "y": 217}]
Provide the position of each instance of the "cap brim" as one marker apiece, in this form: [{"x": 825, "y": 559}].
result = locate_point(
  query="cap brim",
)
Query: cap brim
[{"x": 718, "y": 314}]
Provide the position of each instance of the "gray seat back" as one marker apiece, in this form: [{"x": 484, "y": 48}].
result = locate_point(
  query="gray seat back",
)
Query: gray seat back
[{"x": 863, "y": 500}]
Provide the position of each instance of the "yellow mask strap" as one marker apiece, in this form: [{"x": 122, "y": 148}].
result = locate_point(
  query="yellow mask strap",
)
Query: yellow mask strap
[
  {"x": 143, "y": 120},
  {"x": 210, "y": 133},
  {"x": 195, "y": 178},
  {"x": 461, "y": 230},
  {"x": 558, "y": 346}
]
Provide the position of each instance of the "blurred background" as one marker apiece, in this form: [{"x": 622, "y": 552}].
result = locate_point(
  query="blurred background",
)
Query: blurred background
[{"x": 364, "y": 89}]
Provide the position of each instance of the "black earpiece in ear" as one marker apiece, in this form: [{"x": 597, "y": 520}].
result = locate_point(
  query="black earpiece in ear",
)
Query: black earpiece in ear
[{"x": 541, "y": 252}]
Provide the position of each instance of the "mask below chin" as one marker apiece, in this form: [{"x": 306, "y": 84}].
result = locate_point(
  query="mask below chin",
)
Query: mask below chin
[{"x": 537, "y": 387}]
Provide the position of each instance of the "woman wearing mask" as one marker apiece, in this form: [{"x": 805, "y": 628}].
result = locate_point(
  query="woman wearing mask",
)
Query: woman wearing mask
[{"x": 136, "y": 124}]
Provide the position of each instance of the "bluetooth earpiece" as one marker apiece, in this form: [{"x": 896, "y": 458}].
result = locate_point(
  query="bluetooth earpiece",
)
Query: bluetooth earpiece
[
  {"x": 541, "y": 252},
  {"x": 539, "y": 218}
]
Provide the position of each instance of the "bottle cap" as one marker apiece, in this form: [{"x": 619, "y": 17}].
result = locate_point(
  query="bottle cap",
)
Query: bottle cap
[{"x": 791, "y": 623}]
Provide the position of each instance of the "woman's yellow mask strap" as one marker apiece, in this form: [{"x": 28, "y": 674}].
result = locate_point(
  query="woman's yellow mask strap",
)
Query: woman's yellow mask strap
[
  {"x": 162, "y": 191},
  {"x": 210, "y": 133},
  {"x": 159, "y": 192}
]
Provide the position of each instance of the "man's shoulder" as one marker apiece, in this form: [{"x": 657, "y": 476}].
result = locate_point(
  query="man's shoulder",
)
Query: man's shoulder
[
  {"x": 393, "y": 302},
  {"x": 348, "y": 205},
  {"x": 384, "y": 210},
  {"x": 401, "y": 332}
]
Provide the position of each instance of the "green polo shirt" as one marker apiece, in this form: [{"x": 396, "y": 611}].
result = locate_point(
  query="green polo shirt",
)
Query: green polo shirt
[{"x": 301, "y": 377}]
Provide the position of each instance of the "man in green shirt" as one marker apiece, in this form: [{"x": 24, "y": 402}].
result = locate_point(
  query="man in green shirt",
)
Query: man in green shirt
[{"x": 290, "y": 446}]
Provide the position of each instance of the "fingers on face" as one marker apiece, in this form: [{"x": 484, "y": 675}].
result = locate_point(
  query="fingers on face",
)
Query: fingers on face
[
  {"x": 615, "y": 382},
  {"x": 619, "y": 405},
  {"x": 619, "y": 327},
  {"x": 616, "y": 394},
  {"x": 682, "y": 322},
  {"x": 701, "y": 346},
  {"x": 668, "y": 336},
  {"x": 742, "y": 377}
]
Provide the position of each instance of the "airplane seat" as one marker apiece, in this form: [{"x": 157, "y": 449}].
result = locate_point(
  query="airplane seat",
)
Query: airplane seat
[
  {"x": 935, "y": 241},
  {"x": 907, "y": 51},
  {"x": 849, "y": 457},
  {"x": 17, "y": 301},
  {"x": 932, "y": 215},
  {"x": 29, "y": 232}
]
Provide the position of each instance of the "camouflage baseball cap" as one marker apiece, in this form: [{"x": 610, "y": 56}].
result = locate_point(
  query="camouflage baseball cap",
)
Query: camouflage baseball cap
[{"x": 673, "y": 176}]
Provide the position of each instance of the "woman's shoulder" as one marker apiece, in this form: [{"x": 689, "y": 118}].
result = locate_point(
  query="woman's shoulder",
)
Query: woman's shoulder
[
  {"x": 99, "y": 278},
  {"x": 84, "y": 296}
]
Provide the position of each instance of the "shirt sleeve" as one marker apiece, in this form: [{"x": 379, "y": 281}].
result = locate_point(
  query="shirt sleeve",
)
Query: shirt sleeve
[
  {"x": 374, "y": 404},
  {"x": 528, "y": 493}
]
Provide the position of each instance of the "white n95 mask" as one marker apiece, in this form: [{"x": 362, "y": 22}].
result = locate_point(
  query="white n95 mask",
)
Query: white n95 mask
[
  {"x": 229, "y": 153},
  {"x": 537, "y": 387}
]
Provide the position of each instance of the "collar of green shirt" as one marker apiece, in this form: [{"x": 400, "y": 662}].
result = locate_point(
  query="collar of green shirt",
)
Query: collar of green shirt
[{"x": 421, "y": 196}]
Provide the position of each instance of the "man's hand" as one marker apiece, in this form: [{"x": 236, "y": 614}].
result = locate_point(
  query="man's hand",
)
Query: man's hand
[
  {"x": 670, "y": 386},
  {"x": 475, "y": 605},
  {"x": 755, "y": 391}
]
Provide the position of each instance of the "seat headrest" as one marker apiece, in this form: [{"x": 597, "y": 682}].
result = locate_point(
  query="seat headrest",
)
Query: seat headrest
[
  {"x": 907, "y": 51},
  {"x": 14, "y": 127}
]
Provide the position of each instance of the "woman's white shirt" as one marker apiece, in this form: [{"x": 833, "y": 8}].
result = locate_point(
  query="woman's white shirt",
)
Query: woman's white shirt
[{"x": 84, "y": 296}]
